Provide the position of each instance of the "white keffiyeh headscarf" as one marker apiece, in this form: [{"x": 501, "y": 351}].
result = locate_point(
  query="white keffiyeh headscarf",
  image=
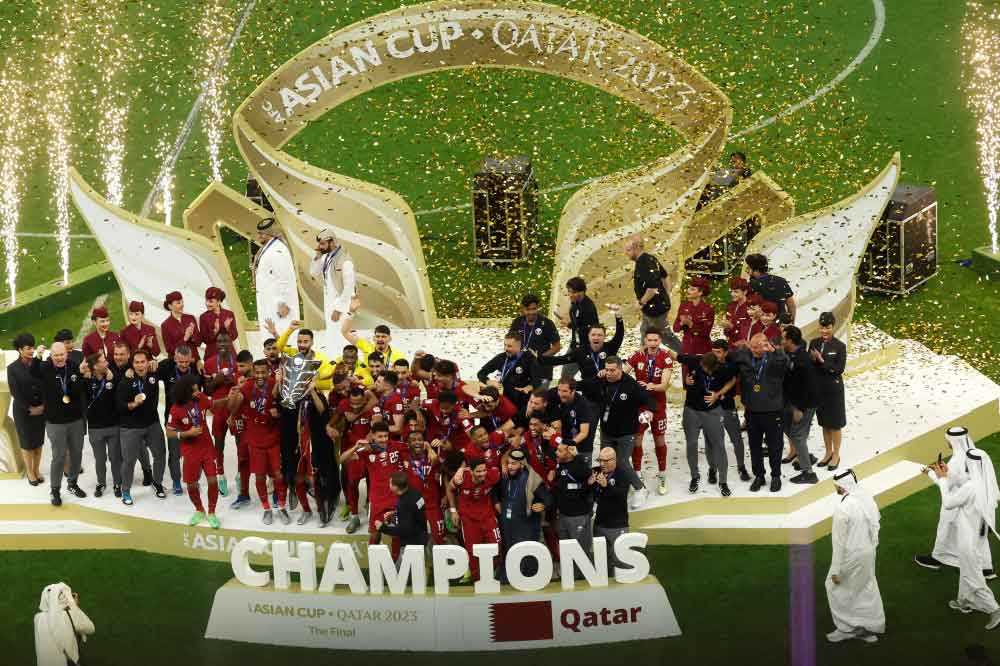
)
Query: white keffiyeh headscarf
[
  {"x": 983, "y": 475},
  {"x": 960, "y": 442},
  {"x": 848, "y": 480},
  {"x": 56, "y": 602}
]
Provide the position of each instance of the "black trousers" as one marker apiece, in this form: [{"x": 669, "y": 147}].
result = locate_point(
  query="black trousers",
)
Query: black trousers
[{"x": 763, "y": 426}]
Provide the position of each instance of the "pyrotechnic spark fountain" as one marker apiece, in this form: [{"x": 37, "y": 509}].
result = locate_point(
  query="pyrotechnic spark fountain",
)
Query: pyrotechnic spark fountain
[
  {"x": 113, "y": 105},
  {"x": 213, "y": 33},
  {"x": 982, "y": 43},
  {"x": 165, "y": 204},
  {"x": 58, "y": 118},
  {"x": 11, "y": 168}
]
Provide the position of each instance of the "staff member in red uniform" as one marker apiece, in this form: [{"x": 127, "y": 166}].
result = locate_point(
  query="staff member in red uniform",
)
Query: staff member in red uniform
[
  {"x": 736, "y": 310},
  {"x": 220, "y": 376},
  {"x": 179, "y": 328},
  {"x": 696, "y": 317},
  {"x": 216, "y": 320},
  {"x": 473, "y": 485},
  {"x": 102, "y": 339},
  {"x": 138, "y": 334}
]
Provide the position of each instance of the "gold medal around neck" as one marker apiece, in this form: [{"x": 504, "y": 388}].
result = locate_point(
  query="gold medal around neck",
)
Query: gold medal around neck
[
  {"x": 66, "y": 399},
  {"x": 756, "y": 388}
]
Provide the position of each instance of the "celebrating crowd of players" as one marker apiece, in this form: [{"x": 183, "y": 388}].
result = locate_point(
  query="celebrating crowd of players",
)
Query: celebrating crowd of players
[{"x": 504, "y": 460}]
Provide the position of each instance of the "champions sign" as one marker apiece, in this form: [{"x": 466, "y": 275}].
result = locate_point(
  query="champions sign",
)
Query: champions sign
[{"x": 392, "y": 608}]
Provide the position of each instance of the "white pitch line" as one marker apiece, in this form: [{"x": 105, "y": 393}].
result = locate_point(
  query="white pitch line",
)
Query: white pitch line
[
  {"x": 873, "y": 41},
  {"x": 171, "y": 161}
]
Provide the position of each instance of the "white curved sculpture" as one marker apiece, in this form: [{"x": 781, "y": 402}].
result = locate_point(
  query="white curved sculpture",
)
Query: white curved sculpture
[
  {"x": 150, "y": 259},
  {"x": 819, "y": 253}
]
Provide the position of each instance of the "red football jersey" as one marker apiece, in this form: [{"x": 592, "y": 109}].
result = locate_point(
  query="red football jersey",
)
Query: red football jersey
[
  {"x": 261, "y": 429},
  {"x": 184, "y": 417},
  {"x": 474, "y": 500},
  {"x": 380, "y": 465},
  {"x": 650, "y": 369},
  {"x": 390, "y": 405},
  {"x": 541, "y": 454},
  {"x": 445, "y": 427},
  {"x": 491, "y": 454},
  {"x": 359, "y": 427},
  {"x": 493, "y": 420},
  {"x": 227, "y": 366},
  {"x": 425, "y": 477}
]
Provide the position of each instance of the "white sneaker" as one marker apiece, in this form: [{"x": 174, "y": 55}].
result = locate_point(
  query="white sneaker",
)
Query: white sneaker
[
  {"x": 662, "y": 487},
  {"x": 837, "y": 636},
  {"x": 639, "y": 498}
]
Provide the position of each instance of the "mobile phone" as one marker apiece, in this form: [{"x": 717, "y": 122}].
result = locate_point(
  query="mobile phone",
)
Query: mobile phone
[{"x": 940, "y": 461}]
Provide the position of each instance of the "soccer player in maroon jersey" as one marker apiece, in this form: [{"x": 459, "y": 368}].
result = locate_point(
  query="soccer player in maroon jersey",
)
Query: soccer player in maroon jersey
[
  {"x": 358, "y": 414},
  {"x": 446, "y": 421},
  {"x": 540, "y": 441},
  {"x": 424, "y": 470},
  {"x": 187, "y": 422},
  {"x": 272, "y": 355},
  {"x": 390, "y": 402},
  {"x": 381, "y": 457},
  {"x": 254, "y": 403},
  {"x": 485, "y": 445},
  {"x": 473, "y": 484},
  {"x": 652, "y": 367},
  {"x": 408, "y": 388},
  {"x": 220, "y": 376},
  {"x": 494, "y": 411},
  {"x": 236, "y": 423}
]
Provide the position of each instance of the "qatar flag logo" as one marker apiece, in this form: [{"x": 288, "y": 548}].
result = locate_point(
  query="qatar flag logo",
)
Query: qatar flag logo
[{"x": 521, "y": 621}]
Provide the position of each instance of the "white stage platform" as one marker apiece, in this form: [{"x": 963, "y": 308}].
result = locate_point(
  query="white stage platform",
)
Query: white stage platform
[{"x": 900, "y": 399}]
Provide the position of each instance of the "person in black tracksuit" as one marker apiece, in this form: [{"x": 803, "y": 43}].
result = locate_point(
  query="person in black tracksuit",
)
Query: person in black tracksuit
[
  {"x": 591, "y": 356},
  {"x": 762, "y": 377},
  {"x": 622, "y": 400},
  {"x": 519, "y": 371},
  {"x": 409, "y": 522}
]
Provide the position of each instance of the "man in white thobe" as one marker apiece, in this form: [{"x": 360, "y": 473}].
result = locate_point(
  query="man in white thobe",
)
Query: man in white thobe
[
  {"x": 274, "y": 278},
  {"x": 58, "y": 624},
  {"x": 971, "y": 490},
  {"x": 334, "y": 268},
  {"x": 945, "y": 551},
  {"x": 851, "y": 588}
]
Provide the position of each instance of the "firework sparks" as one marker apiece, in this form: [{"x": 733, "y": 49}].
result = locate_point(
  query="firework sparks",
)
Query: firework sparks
[
  {"x": 213, "y": 32},
  {"x": 11, "y": 169},
  {"x": 982, "y": 43},
  {"x": 58, "y": 118},
  {"x": 165, "y": 202},
  {"x": 113, "y": 105}
]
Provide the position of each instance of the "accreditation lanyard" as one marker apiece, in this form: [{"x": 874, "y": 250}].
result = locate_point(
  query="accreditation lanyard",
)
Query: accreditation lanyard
[
  {"x": 527, "y": 331},
  {"x": 139, "y": 384},
  {"x": 596, "y": 358},
  {"x": 707, "y": 382},
  {"x": 607, "y": 405},
  {"x": 758, "y": 368},
  {"x": 508, "y": 365},
  {"x": 95, "y": 395}
]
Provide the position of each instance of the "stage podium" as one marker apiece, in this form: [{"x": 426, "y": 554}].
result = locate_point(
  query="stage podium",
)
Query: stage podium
[{"x": 505, "y": 207}]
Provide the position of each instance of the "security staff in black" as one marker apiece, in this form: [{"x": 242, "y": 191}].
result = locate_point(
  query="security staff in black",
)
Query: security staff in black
[
  {"x": 573, "y": 496},
  {"x": 523, "y": 500},
  {"x": 577, "y": 419},
  {"x": 409, "y": 523},
  {"x": 762, "y": 377},
  {"x": 592, "y": 355},
  {"x": 519, "y": 371},
  {"x": 622, "y": 400},
  {"x": 539, "y": 335}
]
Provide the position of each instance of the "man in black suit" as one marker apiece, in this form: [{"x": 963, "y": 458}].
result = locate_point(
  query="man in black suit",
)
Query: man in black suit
[
  {"x": 582, "y": 315},
  {"x": 829, "y": 357}
]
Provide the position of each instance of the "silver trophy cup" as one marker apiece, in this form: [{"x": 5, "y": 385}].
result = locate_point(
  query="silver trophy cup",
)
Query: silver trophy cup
[{"x": 298, "y": 372}]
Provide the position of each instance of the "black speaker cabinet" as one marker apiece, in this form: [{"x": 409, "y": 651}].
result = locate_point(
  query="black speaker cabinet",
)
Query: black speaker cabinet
[
  {"x": 726, "y": 254},
  {"x": 505, "y": 208},
  {"x": 902, "y": 252}
]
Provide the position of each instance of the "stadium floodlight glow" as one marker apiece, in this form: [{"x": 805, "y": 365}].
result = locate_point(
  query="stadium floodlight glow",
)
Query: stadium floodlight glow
[
  {"x": 12, "y": 169},
  {"x": 982, "y": 45},
  {"x": 213, "y": 32},
  {"x": 58, "y": 119}
]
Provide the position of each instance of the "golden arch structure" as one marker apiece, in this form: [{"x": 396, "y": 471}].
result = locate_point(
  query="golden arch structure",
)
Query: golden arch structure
[{"x": 377, "y": 226}]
